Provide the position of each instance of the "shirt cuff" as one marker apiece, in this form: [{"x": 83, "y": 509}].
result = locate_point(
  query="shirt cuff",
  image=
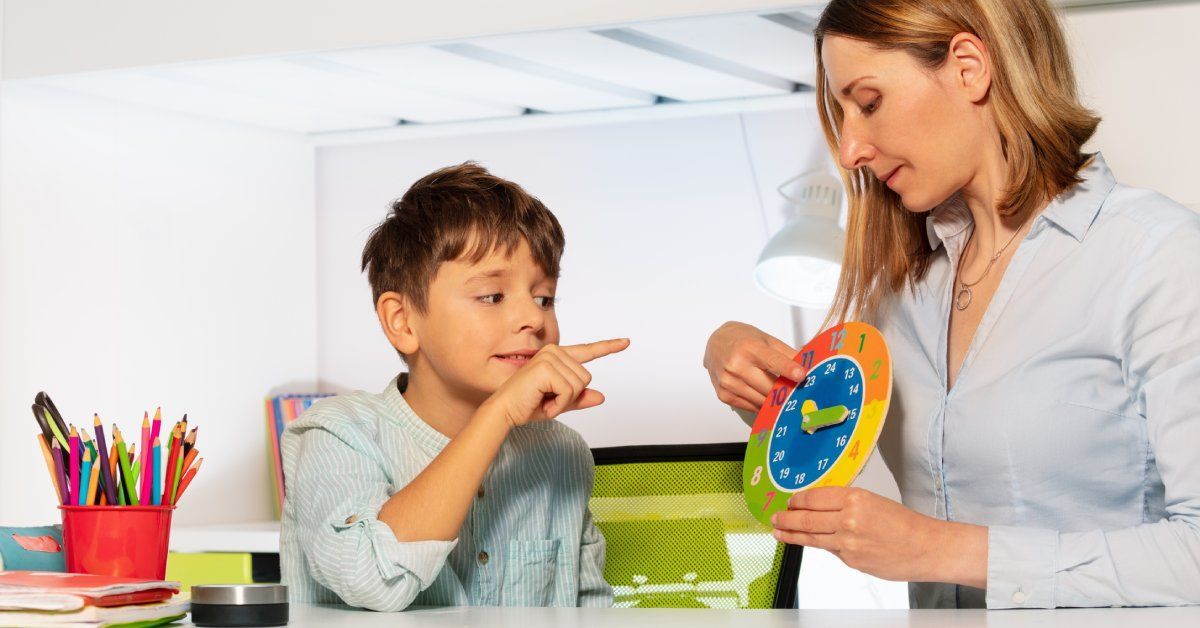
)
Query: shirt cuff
[
  {"x": 1021, "y": 571},
  {"x": 423, "y": 559}
]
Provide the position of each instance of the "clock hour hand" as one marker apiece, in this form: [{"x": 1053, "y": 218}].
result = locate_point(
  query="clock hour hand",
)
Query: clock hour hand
[{"x": 816, "y": 419}]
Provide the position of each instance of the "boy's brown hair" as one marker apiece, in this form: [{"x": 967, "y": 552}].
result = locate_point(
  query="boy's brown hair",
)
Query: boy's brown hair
[{"x": 458, "y": 212}]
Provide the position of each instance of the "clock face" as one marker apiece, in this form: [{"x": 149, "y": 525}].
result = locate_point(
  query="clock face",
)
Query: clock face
[{"x": 819, "y": 431}]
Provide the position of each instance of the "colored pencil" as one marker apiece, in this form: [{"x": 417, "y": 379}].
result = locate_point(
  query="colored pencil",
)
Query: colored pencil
[
  {"x": 187, "y": 460},
  {"x": 60, "y": 470},
  {"x": 178, "y": 475},
  {"x": 187, "y": 479},
  {"x": 74, "y": 461},
  {"x": 190, "y": 441},
  {"x": 50, "y": 466},
  {"x": 86, "y": 479},
  {"x": 126, "y": 472},
  {"x": 156, "y": 475},
  {"x": 106, "y": 475},
  {"x": 144, "y": 476},
  {"x": 172, "y": 455}
]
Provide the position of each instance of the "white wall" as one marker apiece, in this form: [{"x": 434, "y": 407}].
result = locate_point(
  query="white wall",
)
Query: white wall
[
  {"x": 1137, "y": 67},
  {"x": 150, "y": 259},
  {"x": 663, "y": 228}
]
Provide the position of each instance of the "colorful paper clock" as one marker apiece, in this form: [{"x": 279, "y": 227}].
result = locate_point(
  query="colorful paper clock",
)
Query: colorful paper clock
[{"x": 821, "y": 430}]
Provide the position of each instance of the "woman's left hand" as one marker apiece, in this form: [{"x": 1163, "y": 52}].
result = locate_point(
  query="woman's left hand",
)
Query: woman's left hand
[{"x": 878, "y": 536}]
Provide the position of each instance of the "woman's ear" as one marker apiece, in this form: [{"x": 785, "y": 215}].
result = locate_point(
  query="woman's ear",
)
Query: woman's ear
[
  {"x": 971, "y": 68},
  {"x": 396, "y": 317}
]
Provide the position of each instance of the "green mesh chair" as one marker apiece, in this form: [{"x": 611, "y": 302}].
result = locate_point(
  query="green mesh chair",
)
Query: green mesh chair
[{"x": 679, "y": 535}]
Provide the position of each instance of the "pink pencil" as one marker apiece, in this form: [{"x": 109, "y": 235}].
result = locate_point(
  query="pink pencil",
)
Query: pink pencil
[
  {"x": 144, "y": 485},
  {"x": 76, "y": 459}
]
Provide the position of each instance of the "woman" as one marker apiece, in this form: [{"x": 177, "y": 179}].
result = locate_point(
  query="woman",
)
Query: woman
[{"x": 1044, "y": 322}]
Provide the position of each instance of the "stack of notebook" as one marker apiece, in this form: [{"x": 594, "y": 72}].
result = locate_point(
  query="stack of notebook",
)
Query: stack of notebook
[
  {"x": 281, "y": 410},
  {"x": 43, "y": 598}
]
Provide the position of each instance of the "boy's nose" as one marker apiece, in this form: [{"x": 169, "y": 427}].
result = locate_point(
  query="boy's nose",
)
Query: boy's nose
[{"x": 531, "y": 316}]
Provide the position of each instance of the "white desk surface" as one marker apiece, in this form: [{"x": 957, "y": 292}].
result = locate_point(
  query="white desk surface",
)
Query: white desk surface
[{"x": 303, "y": 615}]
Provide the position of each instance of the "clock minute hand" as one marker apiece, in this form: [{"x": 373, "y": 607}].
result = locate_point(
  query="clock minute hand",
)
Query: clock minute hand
[{"x": 824, "y": 417}]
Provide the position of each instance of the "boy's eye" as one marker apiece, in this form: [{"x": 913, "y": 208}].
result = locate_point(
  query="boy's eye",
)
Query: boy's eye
[
  {"x": 544, "y": 302},
  {"x": 492, "y": 299}
]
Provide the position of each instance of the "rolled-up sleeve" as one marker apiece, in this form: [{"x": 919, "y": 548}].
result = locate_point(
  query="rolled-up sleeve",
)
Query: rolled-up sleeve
[
  {"x": 1156, "y": 563},
  {"x": 336, "y": 493}
]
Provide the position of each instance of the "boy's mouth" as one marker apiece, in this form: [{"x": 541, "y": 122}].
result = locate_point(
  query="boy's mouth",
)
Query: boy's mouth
[{"x": 519, "y": 358}]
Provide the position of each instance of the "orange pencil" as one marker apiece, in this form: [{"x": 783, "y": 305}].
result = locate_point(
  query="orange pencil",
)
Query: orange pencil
[
  {"x": 187, "y": 479},
  {"x": 115, "y": 473},
  {"x": 94, "y": 482},
  {"x": 50, "y": 467},
  {"x": 187, "y": 460}
]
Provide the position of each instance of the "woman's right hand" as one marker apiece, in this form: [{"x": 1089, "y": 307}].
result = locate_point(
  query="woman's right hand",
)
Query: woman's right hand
[{"x": 743, "y": 363}]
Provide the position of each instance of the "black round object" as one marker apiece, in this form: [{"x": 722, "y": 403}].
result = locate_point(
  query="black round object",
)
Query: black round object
[{"x": 239, "y": 605}]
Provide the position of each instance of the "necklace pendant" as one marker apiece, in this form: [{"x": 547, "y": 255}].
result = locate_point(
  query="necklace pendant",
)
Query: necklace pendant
[{"x": 963, "y": 299}]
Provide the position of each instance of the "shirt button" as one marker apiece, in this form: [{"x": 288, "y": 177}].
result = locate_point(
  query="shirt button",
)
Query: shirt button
[
  {"x": 480, "y": 493},
  {"x": 1019, "y": 597},
  {"x": 483, "y": 558}
]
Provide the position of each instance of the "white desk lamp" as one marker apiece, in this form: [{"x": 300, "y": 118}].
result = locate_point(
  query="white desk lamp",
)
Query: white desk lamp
[{"x": 800, "y": 264}]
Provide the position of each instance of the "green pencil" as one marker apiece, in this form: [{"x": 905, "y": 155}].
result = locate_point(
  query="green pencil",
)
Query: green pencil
[{"x": 126, "y": 471}]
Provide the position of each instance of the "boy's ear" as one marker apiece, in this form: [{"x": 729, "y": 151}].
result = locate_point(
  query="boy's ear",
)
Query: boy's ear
[{"x": 396, "y": 317}]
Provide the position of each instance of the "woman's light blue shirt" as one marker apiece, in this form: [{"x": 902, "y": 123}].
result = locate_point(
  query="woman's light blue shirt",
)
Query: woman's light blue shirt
[{"x": 1073, "y": 428}]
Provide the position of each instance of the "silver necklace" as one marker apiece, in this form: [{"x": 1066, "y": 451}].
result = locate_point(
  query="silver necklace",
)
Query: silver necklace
[{"x": 963, "y": 299}]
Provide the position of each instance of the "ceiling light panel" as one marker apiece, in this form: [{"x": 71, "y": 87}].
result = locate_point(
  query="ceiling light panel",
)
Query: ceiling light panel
[
  {"x": 747, "y": 40},
  {"x": 607, "y": 59}
]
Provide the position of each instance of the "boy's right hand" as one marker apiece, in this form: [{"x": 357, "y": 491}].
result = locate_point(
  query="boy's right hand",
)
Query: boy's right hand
[{"x": 553, "y": 382}]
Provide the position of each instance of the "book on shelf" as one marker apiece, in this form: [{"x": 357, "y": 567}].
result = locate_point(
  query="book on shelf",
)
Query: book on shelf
[{"x": 282, "y": 410}]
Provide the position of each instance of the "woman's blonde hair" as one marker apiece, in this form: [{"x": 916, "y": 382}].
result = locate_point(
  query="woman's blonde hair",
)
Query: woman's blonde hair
[{"x": 1033, "y": 100}]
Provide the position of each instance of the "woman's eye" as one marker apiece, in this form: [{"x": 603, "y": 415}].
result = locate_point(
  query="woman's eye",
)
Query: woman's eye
[
  {"x": 544, "y": 302},
  {"x": 492, "y": 299},
  {"x": 872, "y": 106}
]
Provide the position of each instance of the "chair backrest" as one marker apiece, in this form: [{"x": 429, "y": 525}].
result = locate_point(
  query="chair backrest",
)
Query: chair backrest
[{"x": 678, "y": 533}]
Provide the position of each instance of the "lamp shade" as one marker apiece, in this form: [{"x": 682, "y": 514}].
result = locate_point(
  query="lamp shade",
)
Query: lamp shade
[{"x": 801, "y": 263}]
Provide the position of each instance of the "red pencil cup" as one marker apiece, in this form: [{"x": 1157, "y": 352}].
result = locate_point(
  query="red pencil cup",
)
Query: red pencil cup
[{"x": 121, "y": 541}]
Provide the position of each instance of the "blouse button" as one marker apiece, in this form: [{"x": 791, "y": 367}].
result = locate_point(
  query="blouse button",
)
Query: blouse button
[
  {"x": 483, "y": 558},
  {"x": 1019, "y": 597}
]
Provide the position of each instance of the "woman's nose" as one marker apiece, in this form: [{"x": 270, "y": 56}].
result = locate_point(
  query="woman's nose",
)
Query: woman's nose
[{"x": 855, "y": 149}]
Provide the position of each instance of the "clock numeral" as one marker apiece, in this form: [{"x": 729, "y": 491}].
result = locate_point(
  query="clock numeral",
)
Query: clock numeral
[
  {"x": 778, "y": 456},
  {"x": 853, "y": 415},
  {"x": 781, "y": 432},
  {"x": 862, "y": 342},
  {"x": 810, "y": 380},
  {"x": 830, "y": 368},
  {"x": 770, "y": 496},
  {"x": 850, "y": 373},
  {"x": 800, "y": 479},
  {"x": 791, "y": 405},
  {"x": 806, "y": 359},
  {"x": 841, "y": 440},
  {"x": 854, "y": 389},
  {"x": 777, "y": 396},
  {"x": 785, "y": 473},
  {"x": 835, "y": 343},
  {"x": 854, "y": 450},
  {"x": 754, "y": 479},
  {"x": 875, "y": 369},
  {"x": 822, "y": 464}
]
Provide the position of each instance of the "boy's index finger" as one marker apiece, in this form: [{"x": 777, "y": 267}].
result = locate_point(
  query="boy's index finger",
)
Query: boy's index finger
[{"x": 592, "y": 350}]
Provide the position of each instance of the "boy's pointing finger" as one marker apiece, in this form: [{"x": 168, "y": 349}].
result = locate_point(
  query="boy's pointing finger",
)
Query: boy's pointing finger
[{"x": 592, "y": 350}]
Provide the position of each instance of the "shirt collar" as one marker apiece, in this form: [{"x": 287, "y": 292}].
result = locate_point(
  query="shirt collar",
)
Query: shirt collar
[
  {"x": 1073, "y": 211},
  {"x": 429, "y": 438}
]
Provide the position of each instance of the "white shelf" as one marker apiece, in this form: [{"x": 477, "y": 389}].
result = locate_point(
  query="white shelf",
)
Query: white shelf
[{"x": 254, "y": 537}]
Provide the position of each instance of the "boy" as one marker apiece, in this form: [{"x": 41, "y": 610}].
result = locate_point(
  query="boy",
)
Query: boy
[{"x": 453, "y": 486}]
